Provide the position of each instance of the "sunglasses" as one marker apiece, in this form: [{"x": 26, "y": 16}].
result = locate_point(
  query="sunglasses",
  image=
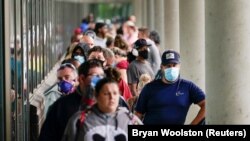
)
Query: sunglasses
[{"x": 67, "y": 65}]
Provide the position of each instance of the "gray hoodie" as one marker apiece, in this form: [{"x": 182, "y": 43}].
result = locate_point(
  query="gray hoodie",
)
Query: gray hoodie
[{"x": 100, "y": 126}]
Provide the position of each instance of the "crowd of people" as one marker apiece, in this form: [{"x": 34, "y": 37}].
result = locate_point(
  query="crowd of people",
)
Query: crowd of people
[{"x": 114, "y": 76}]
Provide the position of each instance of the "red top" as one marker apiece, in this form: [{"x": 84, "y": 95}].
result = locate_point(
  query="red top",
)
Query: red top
[
  {"x": 124, "y": 89},
  {"x": 122, "y": 65}
]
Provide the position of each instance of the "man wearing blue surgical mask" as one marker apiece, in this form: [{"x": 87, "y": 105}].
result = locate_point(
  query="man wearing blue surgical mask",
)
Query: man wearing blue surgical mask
[
  {"x": 67, "y": 78},
  {"x": 66, "y": 84},
  {"x": 59, "y": 112},
  {"x": 167, "y": 100}
]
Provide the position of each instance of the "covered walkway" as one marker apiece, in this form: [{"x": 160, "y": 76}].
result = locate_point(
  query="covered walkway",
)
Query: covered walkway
[{"x": 212, "y": 37}]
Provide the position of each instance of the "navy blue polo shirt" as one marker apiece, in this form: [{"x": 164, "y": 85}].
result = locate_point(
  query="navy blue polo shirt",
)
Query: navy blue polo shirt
[{"x": 168, "y": 103}]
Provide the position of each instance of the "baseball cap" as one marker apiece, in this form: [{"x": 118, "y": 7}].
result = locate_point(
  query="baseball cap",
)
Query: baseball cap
[
  {"x": 130, "y": 23},
  {"x": 77, "y": 31},
  {"x": 170, "y": 56},
  {"x": 140, "y": 43}
]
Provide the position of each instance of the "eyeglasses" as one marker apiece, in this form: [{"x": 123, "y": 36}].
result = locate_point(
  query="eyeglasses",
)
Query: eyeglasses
[
  {"x": 98, "y": 75},
  {"x": 67, "y": 65},
  {"x": 98, "y": 57},
  {"x": 96, "y": 61}
]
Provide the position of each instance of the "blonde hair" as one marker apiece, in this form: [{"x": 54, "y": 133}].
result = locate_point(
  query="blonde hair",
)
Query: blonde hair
[{"x": 143, "y": 80}]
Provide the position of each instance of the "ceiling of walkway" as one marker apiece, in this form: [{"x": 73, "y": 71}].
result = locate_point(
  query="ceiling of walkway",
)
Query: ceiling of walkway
[{"x": 96, "y": 1}]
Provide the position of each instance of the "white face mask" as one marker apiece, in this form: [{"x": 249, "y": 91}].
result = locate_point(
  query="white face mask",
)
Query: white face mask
[
  {"x": 171, "y": 74},
  {"x": 80, "y": 58}
]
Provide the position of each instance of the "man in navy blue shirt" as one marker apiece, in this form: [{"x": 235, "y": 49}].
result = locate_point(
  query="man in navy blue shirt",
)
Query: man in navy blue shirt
[{"x": 167, "y": 100}]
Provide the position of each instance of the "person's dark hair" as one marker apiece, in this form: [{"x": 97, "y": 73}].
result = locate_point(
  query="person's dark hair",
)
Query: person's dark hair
[
  {"x": 74, "y": 39},
  {"x": 101, "y": 83},
  {"x": 119, "y": 52},
  {"x": 98, "y": 26},
  {"x": 113, "y": 73},
  {"x": 95, "y": 49},
  {"x": 130, "y": 57},
  {"x": 70, "y": 60},
  {"x": 81, "y": 47},
  {"x": 86, "y": 66},
  {"x": 109, "y": 41},
  {"x": 153, "y": 35},
  {"x": 121, "y": 43},
  {"x": 119, "y": 31}
]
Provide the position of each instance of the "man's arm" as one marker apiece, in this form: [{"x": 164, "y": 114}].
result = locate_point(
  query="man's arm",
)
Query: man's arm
[
  {"x": 133, "y": 89},
  {"x": 201, "y": 114},
  {"x": 156, "y": 59}
]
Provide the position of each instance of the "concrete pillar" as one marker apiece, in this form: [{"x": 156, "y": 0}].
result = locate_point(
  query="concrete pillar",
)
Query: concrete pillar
[
  {"x": 192, "y": 40},
  {"x": 192, "y": 45},
  {"x": 159, "y": 19},
  {"x": 137, "y": 11},
  {"x": 227, "y": 61},
  {"x": 85, "y": 8},
  {"x": 150, "y": 14},
  {"x": 144, "y": 7},
  {"x": 172, "y": 26}
]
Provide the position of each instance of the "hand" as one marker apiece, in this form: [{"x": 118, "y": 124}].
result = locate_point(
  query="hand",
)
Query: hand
[{"x": 12, "y": 95}]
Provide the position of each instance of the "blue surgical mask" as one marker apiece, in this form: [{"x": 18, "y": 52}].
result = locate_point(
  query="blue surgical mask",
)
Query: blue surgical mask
[
  {"x": 79, "y": 58},
  {"x": 171, "y": 74},
  {"x": 65, "y": 87},
  {"x": 94, "y": 80}
]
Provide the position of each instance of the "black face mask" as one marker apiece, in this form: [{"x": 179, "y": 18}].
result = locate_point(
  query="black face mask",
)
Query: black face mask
[{"x": 143, "y": 54}]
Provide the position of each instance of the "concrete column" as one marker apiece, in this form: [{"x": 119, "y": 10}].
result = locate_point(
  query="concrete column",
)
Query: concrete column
[
  {"x": 144, "y": 7},
  {"x": 192, "y": 45},
  {"x": 137, "y": 11},
  {"x": 150, "y": 14},
  {"x": 192, "y": 40},
  {"x": 172, "y": 26},
  {"x": 85, "y": 9},
  {"x": 227, "y": 61},
  {"x": 159, "y": 19}
]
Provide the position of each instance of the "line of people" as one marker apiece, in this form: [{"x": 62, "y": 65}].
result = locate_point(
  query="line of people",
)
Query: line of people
[{"x": 107, "y": 83}]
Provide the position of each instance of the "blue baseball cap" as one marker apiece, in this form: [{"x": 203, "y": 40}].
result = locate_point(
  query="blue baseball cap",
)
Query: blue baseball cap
[{"x": 170, "y": 56}]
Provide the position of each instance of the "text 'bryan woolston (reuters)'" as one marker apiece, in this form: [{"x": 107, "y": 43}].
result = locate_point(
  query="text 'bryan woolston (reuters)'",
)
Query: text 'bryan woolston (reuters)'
[{"x": 195, "y": 132}]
